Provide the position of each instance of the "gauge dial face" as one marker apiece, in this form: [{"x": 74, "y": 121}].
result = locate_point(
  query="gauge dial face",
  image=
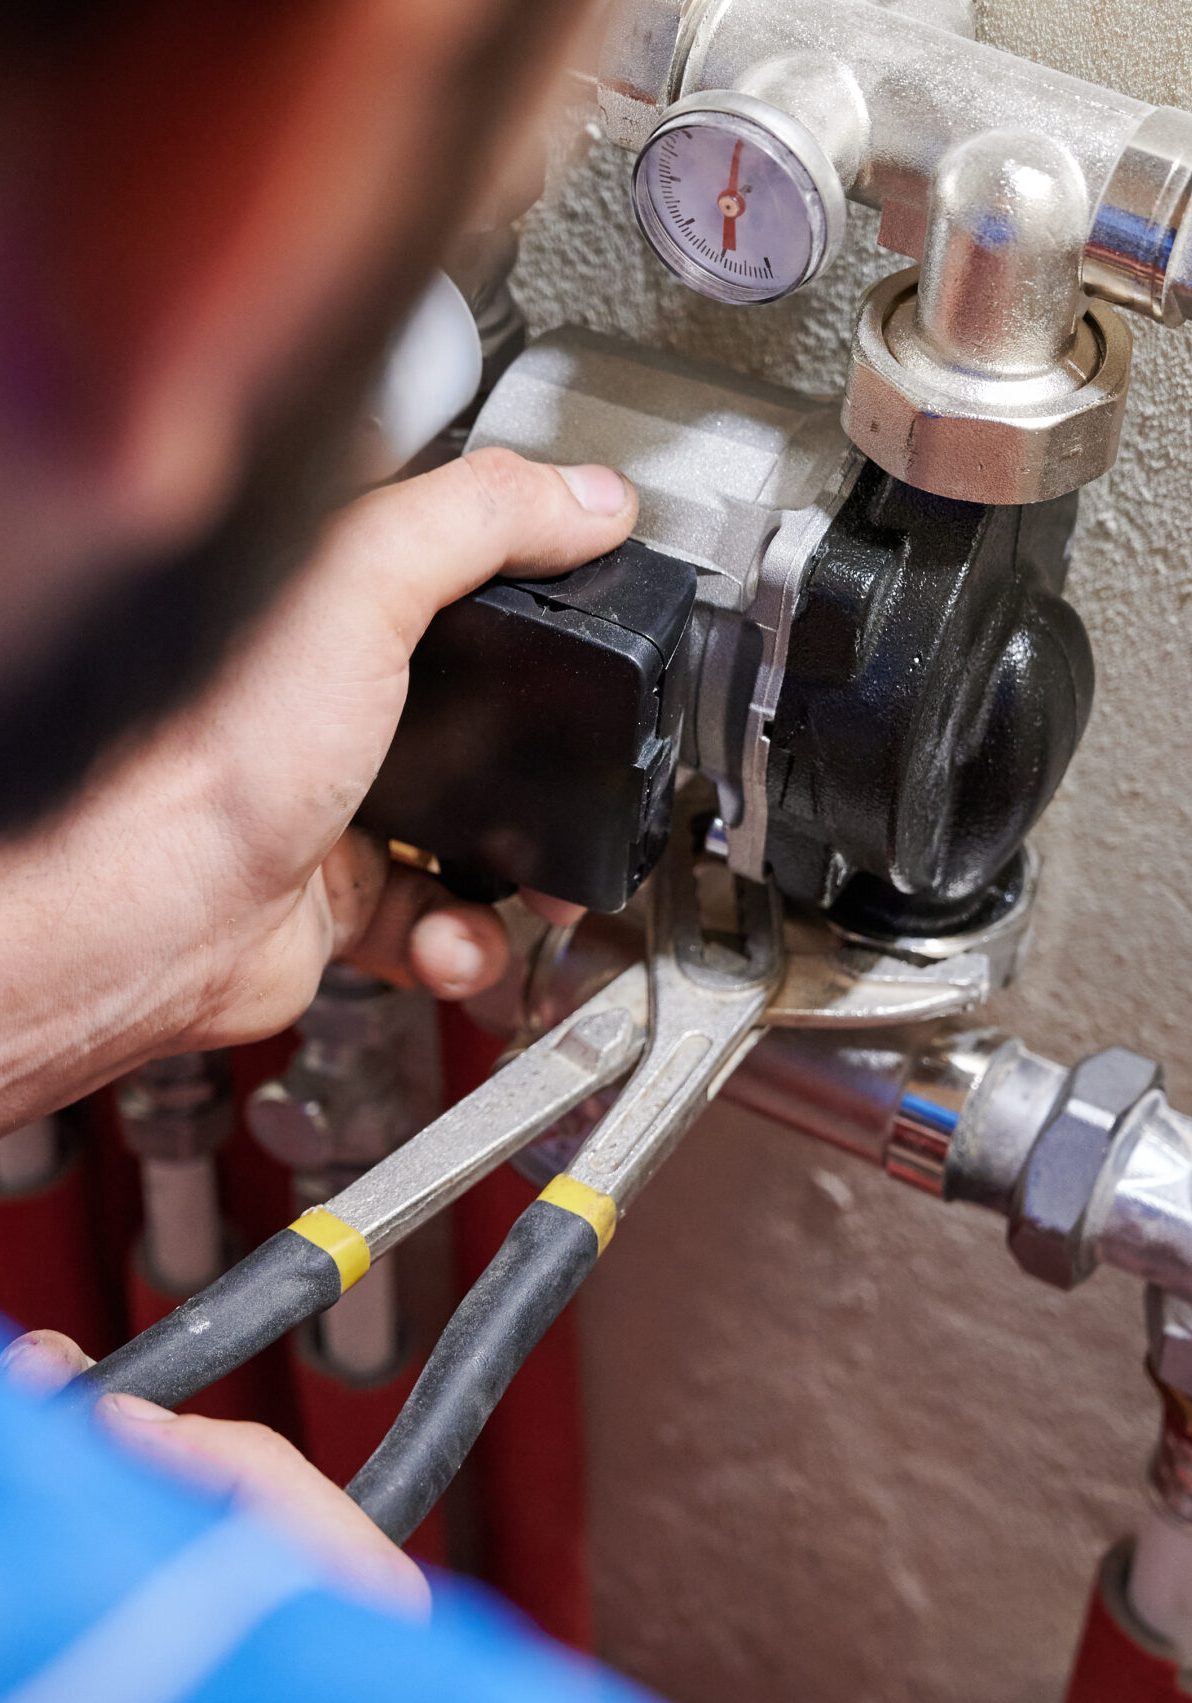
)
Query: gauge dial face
[{"x": 728, "y": 207}]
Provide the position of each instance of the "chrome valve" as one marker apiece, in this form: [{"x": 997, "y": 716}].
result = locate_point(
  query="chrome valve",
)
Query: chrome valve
[{"x": 996, "y": 370}]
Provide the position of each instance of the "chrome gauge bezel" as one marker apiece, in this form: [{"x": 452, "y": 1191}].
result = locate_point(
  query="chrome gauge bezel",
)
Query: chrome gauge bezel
[{"x": 793, "y": 149}]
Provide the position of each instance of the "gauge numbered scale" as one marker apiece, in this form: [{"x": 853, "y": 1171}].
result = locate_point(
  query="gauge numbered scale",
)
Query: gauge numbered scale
[{"x": 737, "y": 199}]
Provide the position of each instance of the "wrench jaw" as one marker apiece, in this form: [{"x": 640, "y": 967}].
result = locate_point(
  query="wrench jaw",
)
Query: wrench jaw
[
  {"x": 709, "y": 989},
  {"x": 722, "y": 931}
]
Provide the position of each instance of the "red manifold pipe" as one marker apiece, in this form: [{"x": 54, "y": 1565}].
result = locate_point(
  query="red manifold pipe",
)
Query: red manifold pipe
[
  {"x": 1118, "y": 1660},
  {"x": 342, "y": 1423},
  {"x": 73, "y": 1265},
  {"x": 53, "y": 1273}
]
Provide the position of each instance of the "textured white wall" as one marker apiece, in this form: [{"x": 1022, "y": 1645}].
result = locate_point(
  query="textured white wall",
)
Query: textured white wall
[{"x": 840, "y": 1450}]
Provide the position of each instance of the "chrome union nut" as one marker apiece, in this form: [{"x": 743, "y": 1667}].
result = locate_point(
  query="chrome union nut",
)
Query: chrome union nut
[
  {"x": 177, "y": 1108},
  {"x": 1049, "y": 1214},
  {"x": 1169, "y": 1339},
  {"x": 637, "y": 67},
  {"x": 982, "y": 438}
]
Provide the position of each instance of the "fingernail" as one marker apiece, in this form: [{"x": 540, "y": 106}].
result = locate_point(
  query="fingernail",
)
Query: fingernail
[
  {"x": 117, "y": 1409},
  {"x": 597, "y": 489},
  {"x": 39, "y": 1366},
  {"x": 22, "y": 1362},
  {"x": 449, "y": 953}
]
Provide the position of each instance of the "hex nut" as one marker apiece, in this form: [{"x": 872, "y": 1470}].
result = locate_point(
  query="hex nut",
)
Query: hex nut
[
  {"x": 977, "y": 449},
  {"x": 1050, "y": 1206},
  {"x": 177, "y": 1108}
]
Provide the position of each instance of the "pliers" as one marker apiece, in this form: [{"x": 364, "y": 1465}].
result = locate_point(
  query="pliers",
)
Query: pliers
[{"x": 685, "y": 1017}]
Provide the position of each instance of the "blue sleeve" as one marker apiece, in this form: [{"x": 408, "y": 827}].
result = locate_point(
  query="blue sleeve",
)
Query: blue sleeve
[{"x": 120, "y": 1585}]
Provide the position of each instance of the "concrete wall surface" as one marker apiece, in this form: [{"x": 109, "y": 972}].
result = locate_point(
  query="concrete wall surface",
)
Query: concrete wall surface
[{"x": 841, "y": 1450}]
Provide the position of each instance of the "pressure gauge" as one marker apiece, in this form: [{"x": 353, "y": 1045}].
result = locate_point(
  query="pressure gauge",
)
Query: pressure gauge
[{"x": 738, "y": 199}]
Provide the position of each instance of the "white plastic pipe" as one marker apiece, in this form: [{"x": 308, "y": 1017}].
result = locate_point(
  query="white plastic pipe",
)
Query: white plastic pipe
[
  {"x": 358, "y": 1337},
  {"x": 433, "y": 371},
  {"x": 183, "y": 1231},
  {"x": 1160, "y": 1588}
]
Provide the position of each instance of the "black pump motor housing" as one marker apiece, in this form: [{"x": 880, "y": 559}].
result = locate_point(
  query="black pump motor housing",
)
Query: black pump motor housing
[
  {"x": 937, "y": 685},
  {"x": 541, "y": 732},
  {"x": 935, "y": 689}
]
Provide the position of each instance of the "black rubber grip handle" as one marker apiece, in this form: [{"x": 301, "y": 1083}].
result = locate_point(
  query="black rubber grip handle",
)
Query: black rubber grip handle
[
  {"x": 536, "y": 1271},
  {"x": 285, "y": 1280}
]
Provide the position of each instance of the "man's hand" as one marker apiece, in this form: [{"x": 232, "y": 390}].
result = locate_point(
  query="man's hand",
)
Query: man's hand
[
  {"x": 194, "y": 896},
  {"x": 256, "y": 1466}
]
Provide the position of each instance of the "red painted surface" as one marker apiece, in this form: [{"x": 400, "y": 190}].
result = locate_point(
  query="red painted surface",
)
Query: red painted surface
[
  {"x": 51, "y": 1273},
  {"x": 528, "y": 1480},
  {"x": 1111, "y": 1665}
]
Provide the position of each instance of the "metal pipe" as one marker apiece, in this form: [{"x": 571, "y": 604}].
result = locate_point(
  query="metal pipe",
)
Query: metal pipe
[
  {"x": 924, "y": 89},
  {"x": 991, "y": 377},
  {"x": 888, "y": 95},
  {"x": 957, "y": 1112},
  {"x": 898, "y": 1099},
  {"x": 916, "y": 91},
  {"x": 174, "y": 1114},
  {"x": 999, "y": 291},
  {"x": 1003, "y": 1108},
  {"x": 841, "y": 1089},
  {"x": 1159, "y": 1580},
  {"x": 1159, "y": 1586},
  {"x": 1146, "y": 1228},
  {"x": 883, "y": 1094}
]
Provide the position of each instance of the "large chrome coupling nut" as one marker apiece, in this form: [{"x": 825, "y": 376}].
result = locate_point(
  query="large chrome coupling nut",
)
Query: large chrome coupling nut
[
  {"x": 990, "y": 440},
  {"x": 987, "y": 375},
  {"x": 1066, "y": 1186}
]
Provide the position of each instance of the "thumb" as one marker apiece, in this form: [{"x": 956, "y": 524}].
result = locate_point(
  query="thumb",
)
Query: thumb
[
  {"x": 477, "y": 517},
  {"x": 261, "y": 1469},
  {"x": 44, "y": 1360}
]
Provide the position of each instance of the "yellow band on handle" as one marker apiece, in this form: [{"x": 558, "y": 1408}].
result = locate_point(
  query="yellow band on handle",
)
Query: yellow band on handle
[
  {"x": 600, "y": 1210},
  {"x": 346, "y": 1246}
]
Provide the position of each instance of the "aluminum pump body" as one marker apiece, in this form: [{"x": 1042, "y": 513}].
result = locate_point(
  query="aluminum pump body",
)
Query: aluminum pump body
[{"x": 885, "y": 686}]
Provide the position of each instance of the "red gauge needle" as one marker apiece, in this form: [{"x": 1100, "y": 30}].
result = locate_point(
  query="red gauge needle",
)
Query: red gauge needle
[{"x": 731, "y": 202}]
